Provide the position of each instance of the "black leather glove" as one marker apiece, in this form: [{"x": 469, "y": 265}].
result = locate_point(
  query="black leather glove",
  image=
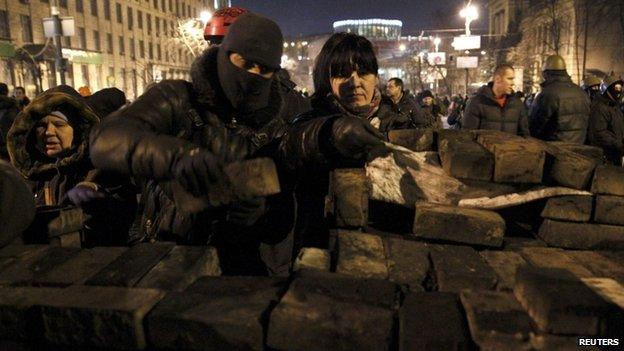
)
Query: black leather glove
[
  {"x": 197, "y": 170},
  {"x": 353, "y": 137},
  {"x": 247, "y": 212}
]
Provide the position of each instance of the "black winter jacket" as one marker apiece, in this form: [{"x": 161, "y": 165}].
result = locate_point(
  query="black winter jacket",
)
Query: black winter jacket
[
  {"x": 408, "y": 106},
  {"x": 145, "y": 138},
  {"x": 560, "y": 111},
  {"x": 606, "y": 128},
  {"x": 483, "y": 112}
]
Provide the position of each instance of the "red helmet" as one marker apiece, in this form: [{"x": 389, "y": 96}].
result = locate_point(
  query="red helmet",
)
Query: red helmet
[{"x": 218, "y": 25}]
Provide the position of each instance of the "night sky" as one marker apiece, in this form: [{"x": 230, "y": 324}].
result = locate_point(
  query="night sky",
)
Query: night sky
[{"x": 305, "y": 17}]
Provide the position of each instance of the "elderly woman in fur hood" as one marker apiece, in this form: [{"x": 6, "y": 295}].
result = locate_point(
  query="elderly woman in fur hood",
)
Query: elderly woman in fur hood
[
  {"x": 178, "y": 135},
  {"x": 48, "y": 143}
]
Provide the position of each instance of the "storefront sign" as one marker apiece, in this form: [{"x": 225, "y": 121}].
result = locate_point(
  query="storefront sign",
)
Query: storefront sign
[{"x": 82, "y": 57}]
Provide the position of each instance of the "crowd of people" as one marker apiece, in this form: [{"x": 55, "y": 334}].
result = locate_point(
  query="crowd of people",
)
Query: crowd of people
[{"x": 132, "y": 166}]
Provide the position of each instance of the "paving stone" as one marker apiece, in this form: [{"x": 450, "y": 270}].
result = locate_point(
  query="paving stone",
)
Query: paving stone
[
  {"x": 581, "y": 236},
  {"x": 593, "y": 152},
  {"x": 215, "y": 313},
  {"x": 453, "y": 134},
  {"x": 497, "y": 321},
  {"x": 568, "y": 168},
  {"x": 461, "y": 267},
  {"x": 560, "y": 303},
  {"x": 98, "y": 317},
  {"x": 131, "y": 266},
  {"x": 466, "y": 159},
  {"x": 181, "y": 267},
  {"x": 608, "y": 180},
  {"x": 554, "y": 258},
  {"x": 408, "y": 262},
  {"x": 312, "y": 258},
  {"x": 457, "y": 224},
  {"x": 569, "y": 208},
  {"x": 517, "y": 243},
  {"x": 432, "y": 321},
  {"x": 351, "y": 191},
  {"x": 370, "y": 291},
  {"x": 504, "y": 264},
  {"x": 81, "y": 267},
  {"x": 30, "y": 267},
  {"x": 609, "y": 210},
  {"x": 608, "y": 288},
  {"x": 414, "y": 139},
  {"x": 361, "y": 255},
  {"x": 19, "y": 318},
  {"x": 312, "y": 317},
  {"x": 598, "y": 264},
  {"x": 515, "y": 160}
]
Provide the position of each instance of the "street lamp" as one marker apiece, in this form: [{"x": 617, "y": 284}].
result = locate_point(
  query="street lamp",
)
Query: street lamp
[
  {"x": 436, "y": 42},
  {"x": 470, "y": 13},
  {"x": 205, "y": 16},
  {"x": 402, "y": 47}
]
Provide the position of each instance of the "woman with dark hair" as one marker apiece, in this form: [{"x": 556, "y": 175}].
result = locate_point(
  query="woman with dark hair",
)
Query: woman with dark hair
[{"x": 340, "y": 130}]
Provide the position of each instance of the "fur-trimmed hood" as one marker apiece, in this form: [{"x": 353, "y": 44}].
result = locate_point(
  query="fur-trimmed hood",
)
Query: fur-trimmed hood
[
  {"x": 205, "y": 81},
  {"x": 22, "y": 139}
]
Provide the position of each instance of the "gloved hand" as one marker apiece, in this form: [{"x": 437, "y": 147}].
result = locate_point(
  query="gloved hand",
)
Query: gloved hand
[
  {"x": 82, "y": 194},
  {"x": 247, "y": 212},
  {"x": 353, "y": 137},
  {"x": 197, "y": 170}
]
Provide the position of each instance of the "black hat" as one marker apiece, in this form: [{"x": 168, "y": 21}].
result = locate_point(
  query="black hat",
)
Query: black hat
[
  {"x": 256, "y": 38},
  {"x": 426, "y": 93}
]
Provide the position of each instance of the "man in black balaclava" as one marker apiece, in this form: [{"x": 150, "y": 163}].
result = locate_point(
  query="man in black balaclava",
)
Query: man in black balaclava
[
  {"x": 606, "y": 121},
  {"x": 177, "y": 136}
]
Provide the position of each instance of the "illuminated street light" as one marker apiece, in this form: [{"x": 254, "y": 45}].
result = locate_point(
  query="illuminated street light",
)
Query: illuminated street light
[
  {"x": 470, "y": 13},
  {"x": 437, "y": 42},
  {"x": 483, "y": 52},
  {"x": 205, "y": 16},
  {"x": 402, "y": 47}
]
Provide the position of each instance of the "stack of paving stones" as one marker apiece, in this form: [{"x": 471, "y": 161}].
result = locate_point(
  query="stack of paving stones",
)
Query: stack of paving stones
[{"x": 455, "y": 280}]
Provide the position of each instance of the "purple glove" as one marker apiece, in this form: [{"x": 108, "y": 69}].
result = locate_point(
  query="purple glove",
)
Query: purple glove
[{"x": 82, "y": 194}]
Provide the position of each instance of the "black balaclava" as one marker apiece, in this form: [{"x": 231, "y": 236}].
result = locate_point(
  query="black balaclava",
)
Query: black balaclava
[
  {"x": 614, "y": 94},
  {"x": 256, "y": 39}
]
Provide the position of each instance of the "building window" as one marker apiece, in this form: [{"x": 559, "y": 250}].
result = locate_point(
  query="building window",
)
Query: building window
[
  {"x": 170, "y": 5},
  {"x": 107, "y": 10},
  {"x": 96, "y": 40},
  {"x": 183, "y": 10},
  {"x": 26, "y": 27},
  {"x": 132, "y": 48},
  {"x": 109, "y": 43},
  {"x": 162, "y": 5},
  {"x": 122, "y": 46},
  {"x": 94, "y": 10},
  {"x": 118, "y": 10},
  {"x": 5, "y": 30},
  {"x": 151, "y": 51},
  {"x": 82, "y": 40},
  {"x": 66, "y": 42},
  {"x": 84, "y": 69},
  {"x": 157, "y": 25},
  {"x": 142, "y": 48},
  {"x": 130, "y": 18},
  {"x": 155, "y": 4},
  {"x": 148, "y": 19},
  {"x": 158, "y": 52},
  {"x": 140, "y": 19},
  {"x": 79, "y": 6},
  {"x": 63, "y": 3}
]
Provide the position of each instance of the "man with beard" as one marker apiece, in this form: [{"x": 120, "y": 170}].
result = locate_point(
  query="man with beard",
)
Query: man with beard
[
  {"x": 606, "y": 121},
  {"x": 180, "y": 134}
]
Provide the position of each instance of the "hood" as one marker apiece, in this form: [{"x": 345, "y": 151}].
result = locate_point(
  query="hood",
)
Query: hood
[
  {"x": 106, "y": 101},
  {"x": 209, "y": 94},
  {"x": 555, "y": 76},
  {"x": 21, "y": 139}
]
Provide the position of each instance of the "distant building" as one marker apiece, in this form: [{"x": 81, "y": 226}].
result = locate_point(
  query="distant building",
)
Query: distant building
[
  {"x": 117, "y": 43},
  {"x": 588, "y": 34}
]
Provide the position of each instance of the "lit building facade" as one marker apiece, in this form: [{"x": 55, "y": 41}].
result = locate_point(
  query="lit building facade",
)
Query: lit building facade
[
  {"x": 374, "y": 28},
  {"x": 126, "y": 44}
]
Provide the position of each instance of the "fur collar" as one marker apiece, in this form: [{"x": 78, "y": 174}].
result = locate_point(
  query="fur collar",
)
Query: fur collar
[{"x": 21, "y": 139}]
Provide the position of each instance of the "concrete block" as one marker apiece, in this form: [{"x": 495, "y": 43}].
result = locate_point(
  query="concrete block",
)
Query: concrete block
[
  {"x": 515, "y": 160},
  {"x": 504, "y": 264},
  {"x": 582, "y": 236},
  {"x": 461, "y": 267},
  {"x": 569, "y": 208},
  {"x": 609, "y": 210},
  {"x": 414, "y": 139},
  {"x": 466, "y": 159},
  {"x": 181, "y": 267},
  {"x": 30, "y": 267},
  {"x": 408, "y": 262},
  {"x": 361, "y": 255},
  {"x": 554, "y": 258},
  {"x": 457, "y": 224},
  {"x": 313, "y": 258},
  {"x": 608, "y": 180},
  {"x": 350, "y": 192},
  {"x": 568, "y": 168}
]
